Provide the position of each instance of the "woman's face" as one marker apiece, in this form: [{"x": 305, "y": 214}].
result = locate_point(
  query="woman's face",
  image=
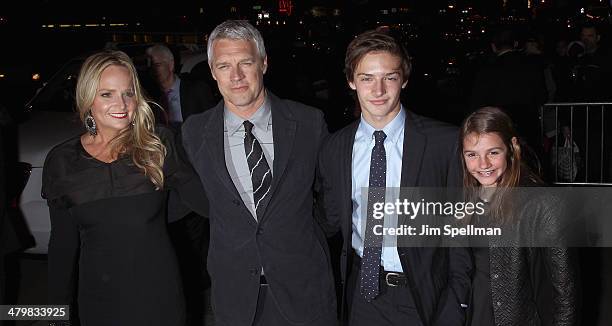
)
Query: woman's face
[
  {"x": 485, "y": 157},
  {"x": 115, "y": 102}
]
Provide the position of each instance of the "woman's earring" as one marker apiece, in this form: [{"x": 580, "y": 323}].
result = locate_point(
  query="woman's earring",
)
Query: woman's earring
[{"x": 90, "y": 124}]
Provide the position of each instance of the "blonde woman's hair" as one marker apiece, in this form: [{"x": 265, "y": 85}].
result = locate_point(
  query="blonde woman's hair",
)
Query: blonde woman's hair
[{"x": 139, "y": 140}]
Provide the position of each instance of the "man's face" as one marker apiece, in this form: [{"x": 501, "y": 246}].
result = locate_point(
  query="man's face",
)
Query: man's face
[
  {"x": 590, "y": 38},
  {"x": 162, "y": 68},
  {"x": 378, "y": 81},
  {"x": 238, "y": 70}
]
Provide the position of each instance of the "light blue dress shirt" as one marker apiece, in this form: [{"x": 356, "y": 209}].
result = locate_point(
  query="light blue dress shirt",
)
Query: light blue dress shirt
[
  {"x": 362, "y": 152},
  {"x": 235, "y": 157}
]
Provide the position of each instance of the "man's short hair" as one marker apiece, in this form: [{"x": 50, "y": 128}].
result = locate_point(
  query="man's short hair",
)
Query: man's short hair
[
  {"x": 161, "y": 49},
  {"x": 374, "y": 41},
  {"x": 236, "y": 30},
  {"x": 504, "y": 38},
  {"x": 589, "y": 25}
]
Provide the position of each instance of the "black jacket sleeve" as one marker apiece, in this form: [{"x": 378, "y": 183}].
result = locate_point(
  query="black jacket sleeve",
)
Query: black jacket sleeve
[
  {"x": 64, "y": 241},
  {"x": 327, "y": 211},
  {"x": 62, "y": 257},
  {"x": 560, "y": 262},
  {"x": 181, "y": 178},
  {"x": 455, "y": 299}
]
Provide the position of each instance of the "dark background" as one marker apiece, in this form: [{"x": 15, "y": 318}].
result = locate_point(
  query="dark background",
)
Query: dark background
[{"x": 306, "y": 56}]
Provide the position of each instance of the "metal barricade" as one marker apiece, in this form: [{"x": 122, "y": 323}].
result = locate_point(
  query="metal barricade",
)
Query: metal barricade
[{"x": 577, "y": 142}]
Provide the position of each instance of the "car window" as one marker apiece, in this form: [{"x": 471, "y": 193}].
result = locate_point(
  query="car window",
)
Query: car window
[{"x": 58, "y": 93}]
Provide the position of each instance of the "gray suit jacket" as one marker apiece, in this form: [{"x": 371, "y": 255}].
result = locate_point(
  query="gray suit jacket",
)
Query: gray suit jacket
[{"x": 286, "y": 242}]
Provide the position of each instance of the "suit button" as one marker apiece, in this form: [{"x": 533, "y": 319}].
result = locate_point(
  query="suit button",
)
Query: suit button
[
  {"x": 495, "y": 276},
  {"x": 260, "y": 231}
]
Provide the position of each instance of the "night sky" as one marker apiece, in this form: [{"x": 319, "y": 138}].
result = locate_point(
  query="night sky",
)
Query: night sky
[{"x": 44, "y": 10}]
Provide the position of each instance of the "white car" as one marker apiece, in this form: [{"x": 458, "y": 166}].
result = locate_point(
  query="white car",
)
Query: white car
[{"x": 50, "y": 119}]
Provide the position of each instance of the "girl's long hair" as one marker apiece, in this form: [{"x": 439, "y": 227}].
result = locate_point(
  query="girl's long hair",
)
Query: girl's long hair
[{"x": 494, "y": 120}]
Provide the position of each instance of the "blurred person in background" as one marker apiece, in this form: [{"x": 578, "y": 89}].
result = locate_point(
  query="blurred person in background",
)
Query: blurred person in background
[
  {"x": 514, "y": 82},
  {"x": 179, "y": 97},
  {"x": 589, "y": 78},
  {"x": 3, "y": 202},
  {"x": 593, "y": 70},
  {"x": 14, "y": 235}
]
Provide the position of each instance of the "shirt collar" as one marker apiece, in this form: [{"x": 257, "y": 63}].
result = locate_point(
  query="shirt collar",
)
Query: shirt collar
[
  {"x": 260, "y": 119},
  {"x": 393, "y": 129}
]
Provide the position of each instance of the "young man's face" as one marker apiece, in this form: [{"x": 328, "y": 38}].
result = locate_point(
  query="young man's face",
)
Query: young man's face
[{"x": 378, "y": 81}]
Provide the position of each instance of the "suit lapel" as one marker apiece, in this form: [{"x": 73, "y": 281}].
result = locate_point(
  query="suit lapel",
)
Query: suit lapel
[
  {"x": 213, "y": 141},
  {"x": 283, "y": 132},
  {"x": 412, "y": 155}
]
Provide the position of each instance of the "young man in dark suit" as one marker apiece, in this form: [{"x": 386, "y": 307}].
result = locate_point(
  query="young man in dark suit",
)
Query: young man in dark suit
[
  {"x": 390, "y": 147},
  {"x": 256, "y": 156}
]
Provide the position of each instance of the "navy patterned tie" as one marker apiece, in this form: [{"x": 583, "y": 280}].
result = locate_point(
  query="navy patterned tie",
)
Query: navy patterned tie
[
  {"x": 372, "y": 246},
  {"x": 261, "y": 176}
]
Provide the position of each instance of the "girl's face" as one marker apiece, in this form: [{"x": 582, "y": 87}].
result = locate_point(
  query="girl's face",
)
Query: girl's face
[{"x": 485, "y": 157}]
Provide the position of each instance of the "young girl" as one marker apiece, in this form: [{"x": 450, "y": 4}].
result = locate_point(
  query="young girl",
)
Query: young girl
[{"x": 510, "y": 280}]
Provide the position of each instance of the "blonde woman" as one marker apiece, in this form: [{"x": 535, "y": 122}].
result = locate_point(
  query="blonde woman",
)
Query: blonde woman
[{"x": 109, "y": 250}]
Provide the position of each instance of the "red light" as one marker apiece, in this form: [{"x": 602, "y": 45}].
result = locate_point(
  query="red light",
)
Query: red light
[{"x": 285, "y": 6}]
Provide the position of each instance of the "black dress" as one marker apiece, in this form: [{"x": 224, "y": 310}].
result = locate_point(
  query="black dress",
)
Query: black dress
[{"x": 109, "y": 245}]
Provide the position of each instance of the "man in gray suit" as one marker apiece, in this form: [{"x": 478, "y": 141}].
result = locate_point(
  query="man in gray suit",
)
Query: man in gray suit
[{"x": 256, "y": 156}]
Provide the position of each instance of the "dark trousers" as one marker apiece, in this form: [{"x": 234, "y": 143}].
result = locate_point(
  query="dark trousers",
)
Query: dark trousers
[
  {"x": 267, "y": 310},
  {"x": 268, "y": 314},
  {"x": 394, "y": 306}
]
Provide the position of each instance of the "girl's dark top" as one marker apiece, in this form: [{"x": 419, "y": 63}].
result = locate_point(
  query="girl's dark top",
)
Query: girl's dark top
[
  {"x": 482, "y": 304},
  {"x": 529, "y": 285},
  {"x": 109, "y": 248}
]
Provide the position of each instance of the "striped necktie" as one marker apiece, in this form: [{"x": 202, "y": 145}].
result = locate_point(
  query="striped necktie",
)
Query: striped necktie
[{"x": 261, "y": 176}]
